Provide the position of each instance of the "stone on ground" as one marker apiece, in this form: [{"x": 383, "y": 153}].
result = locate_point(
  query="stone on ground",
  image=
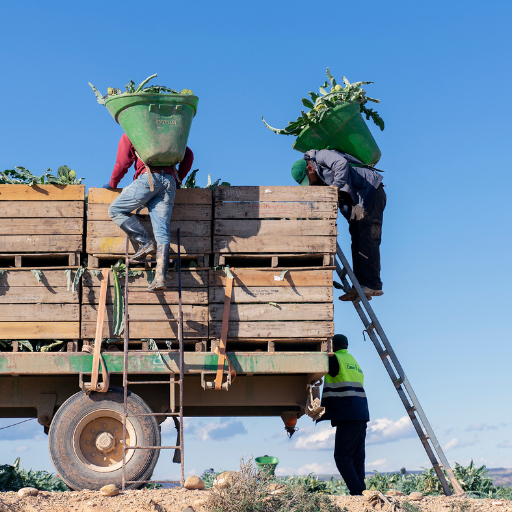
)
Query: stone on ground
[
  {"x": 28, "y": 491},
  {"x": 109, "y": 490},
  {"x": 224, "y": 479},
  {"x": 392, "y": 492},
  {"x": 415, "y": 496},
  {"x": 194, "y": 483}
]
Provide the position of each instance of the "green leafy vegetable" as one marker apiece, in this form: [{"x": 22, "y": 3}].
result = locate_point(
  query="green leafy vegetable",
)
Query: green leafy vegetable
[
  {"x": 78, "y": 276},
  {"x": 118, "y": 308},
  {"x": 324, "y": 102},
  {"x": 191, "y": 182},
  {"x": 68, "y": 278},
  {"x": 22, "y": 176},
  {"x": 38, "y": 274}
]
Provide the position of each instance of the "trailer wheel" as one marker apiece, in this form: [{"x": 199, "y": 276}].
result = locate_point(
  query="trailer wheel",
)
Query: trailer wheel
[{"x": 86, "y": 439}]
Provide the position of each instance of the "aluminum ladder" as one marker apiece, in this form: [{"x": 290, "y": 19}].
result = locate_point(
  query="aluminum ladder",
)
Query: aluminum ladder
[
  {"x": 397, "y": 375},
  {"x": 179, "y": 455}
]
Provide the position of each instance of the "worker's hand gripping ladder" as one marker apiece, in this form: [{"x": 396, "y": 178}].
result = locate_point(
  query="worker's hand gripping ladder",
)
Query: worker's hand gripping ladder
[
  {"x": 397, "y": 375},
  {"x": 176, "y": 416}
]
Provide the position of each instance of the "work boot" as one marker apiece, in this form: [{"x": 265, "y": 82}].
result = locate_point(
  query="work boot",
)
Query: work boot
[
  {"x": 137, "y": 233},
  {"x": 349, "y": 296},
  {"x": 162, "y": 264},
  {"x": 371, "y": 293}
]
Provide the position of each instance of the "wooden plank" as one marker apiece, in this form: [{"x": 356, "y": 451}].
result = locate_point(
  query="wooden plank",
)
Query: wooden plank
[
  {"x": 117, "y": 245},
  {"x": 41, "y": 209},
  {"x": 40, "y": 312},
  {"x": 190, "y": 296},
  {"x": 279, "y": 193},
  {"x": 274, "y": 329},
  {"x": 25, "y": 278},
  {"x": 39, "y": 330},
  {"x": 42, "y": 193},
  {"x": 179, "y": 212},
  {"x": 189, "y": 279},
  {"x": 40, "y": 243},
  {"x": 43, "y": 226},
  {"x": 153, "y": 330},
  {"x": 259, "y": 294},
  {"x": 290, "y": 210},
  {"x": 98, "y": 229},
  {"x": 141, "y": 313},
  {"x": 183, "y": 196},
  {"x": 306, "y": 244},
  {"x": 269, "y": 277},
  {"x": 34, "y": 295},
  {"x": 267, "y": 227},
  {"x": 267, "y": 312}
]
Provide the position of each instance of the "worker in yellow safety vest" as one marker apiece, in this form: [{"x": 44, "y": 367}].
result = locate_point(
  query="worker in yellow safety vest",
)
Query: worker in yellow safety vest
[{"x": 346, "y": 406}]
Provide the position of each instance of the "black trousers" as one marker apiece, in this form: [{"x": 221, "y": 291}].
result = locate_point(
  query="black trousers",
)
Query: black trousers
[
  {"x": 365, "y": 228},
  {"x": 349, "y": 453}
]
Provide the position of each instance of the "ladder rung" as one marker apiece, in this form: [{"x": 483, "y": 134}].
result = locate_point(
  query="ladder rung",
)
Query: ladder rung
[
  {"x": 437, "y": 465},
  {"x": 152, "y": 448},
  {"x": 370, "y": 327},
  {"x": 384, "y": 354},
  {"x": 398, "y": 382},
  {"x": 153, "y": 382},
  {"x": 410, "y": 409},
  {"x": 424, "y": 438},
  {"x": 153, "y": 414}
]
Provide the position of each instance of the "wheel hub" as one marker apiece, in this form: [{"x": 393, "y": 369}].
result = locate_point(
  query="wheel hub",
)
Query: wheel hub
[{"x": 105, "y": 442}]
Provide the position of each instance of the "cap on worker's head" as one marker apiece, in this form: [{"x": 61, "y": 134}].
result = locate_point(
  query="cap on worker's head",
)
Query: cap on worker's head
[
  {"x": 299, "y": 172},
  {"x": 339, "y": 342}
]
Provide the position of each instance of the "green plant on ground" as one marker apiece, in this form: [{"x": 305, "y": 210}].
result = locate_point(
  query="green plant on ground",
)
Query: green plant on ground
[
  {"x": 251, "y": 490},
  {"x": 409, "y": 507},
  {"x": 321, "y": 104},
  {"x": 22, "y": 176},
  {"x": 131, "y": 89},
  {"x": 14, "y": 477},
  {"x": 460, "y": 506}
]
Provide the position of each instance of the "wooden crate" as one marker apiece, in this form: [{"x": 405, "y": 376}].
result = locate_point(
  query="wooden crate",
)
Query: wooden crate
[
  {"x": 192, "y": 214},
  {"x": 266, "y": 308},
  {"x": 38, "y": 310},
  {"x": 42, "y": 221},
  {"x": 266, "y": 222},
  {"x": 152, "y": 315}
]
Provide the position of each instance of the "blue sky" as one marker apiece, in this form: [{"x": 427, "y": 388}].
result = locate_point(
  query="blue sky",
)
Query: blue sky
[{"x": 441, "y": 72}]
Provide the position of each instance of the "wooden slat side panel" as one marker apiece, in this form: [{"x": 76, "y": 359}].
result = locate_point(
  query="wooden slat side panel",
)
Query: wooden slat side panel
[
  {"x": 179, "y": 212},
  {"x": 39, "y": 313},
  {"x": 42, "y": 193},
  {"x": 39, "y": 330},
  {"x": 290, "y": 210},
  {"x": 189, "y": 279},
  {"x": 266, "y": 227},
  {"x": 272, "y": 278},
  {"x": 267, "y": 312},
  {"x": 183, "y": 196},
  {"x": 279, "y": 193},
  {"x": 274, "y": 329},
  {"x": 154, "y": 330},
  {"x": 35, "y": 295},
  {"x": 41, "y": 209},
  {"x": 141, "y": 313},
  {"x": 117, "y": 245},
  {"x": 43, "y": 226},
  {"x": 282, "y": 294},
  {"x": 25, "y": 278},
  {"x": 275, "y": 244},
  {"x": 40, "y": 243},
  {"x": 190, "y": 296},
  {"x": 107, "y": 228}
]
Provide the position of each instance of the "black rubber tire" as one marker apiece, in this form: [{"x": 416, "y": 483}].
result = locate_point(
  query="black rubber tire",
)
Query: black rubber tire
[{"x": 60, "y": 440}]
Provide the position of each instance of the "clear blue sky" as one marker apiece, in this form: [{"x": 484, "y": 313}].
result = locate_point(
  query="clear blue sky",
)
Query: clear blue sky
[{"x": 441, "y": 70}]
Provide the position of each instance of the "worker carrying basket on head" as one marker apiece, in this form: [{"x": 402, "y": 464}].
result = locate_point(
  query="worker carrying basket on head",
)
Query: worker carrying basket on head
[{"x": 156, "y": 188}]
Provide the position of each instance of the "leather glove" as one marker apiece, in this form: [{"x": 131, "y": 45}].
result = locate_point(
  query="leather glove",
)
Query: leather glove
[{"x": 108, "y": 187}]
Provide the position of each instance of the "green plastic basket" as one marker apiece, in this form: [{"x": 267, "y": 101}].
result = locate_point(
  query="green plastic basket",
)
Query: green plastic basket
[
  {"x": 343, "y": 129},
  {"x": 266, "y": 464},
  {"x": 157, "y": 125}
]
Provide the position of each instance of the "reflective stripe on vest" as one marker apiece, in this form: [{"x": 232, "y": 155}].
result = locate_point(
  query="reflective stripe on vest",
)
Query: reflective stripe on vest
[{"x": 349, "y": 380}]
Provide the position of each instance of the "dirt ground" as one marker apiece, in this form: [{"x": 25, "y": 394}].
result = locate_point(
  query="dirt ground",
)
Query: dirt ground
[{"x": 176, "y": 500}]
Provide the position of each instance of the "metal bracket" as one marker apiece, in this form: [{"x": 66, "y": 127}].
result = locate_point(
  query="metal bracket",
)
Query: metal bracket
[
  {"x": 45, "y": 407},
  {"x": 210, "y": 384}
]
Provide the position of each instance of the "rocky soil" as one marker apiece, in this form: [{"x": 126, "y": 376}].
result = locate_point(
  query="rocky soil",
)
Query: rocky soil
[{"x": 178, "y": 499}]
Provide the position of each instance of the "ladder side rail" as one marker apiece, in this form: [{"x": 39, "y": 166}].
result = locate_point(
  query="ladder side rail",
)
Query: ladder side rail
[
  {"x": 182, "y": 376},
  {"x": 392, "y": 356},
  {"x": 125, "y": 359}
]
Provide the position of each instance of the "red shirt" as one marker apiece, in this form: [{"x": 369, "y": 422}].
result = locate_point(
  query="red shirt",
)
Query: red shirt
[{"x": 126, "y": 157}]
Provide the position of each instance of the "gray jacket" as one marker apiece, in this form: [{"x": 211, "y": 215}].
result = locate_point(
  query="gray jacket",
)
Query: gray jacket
[{"x": 341, "y": 170}]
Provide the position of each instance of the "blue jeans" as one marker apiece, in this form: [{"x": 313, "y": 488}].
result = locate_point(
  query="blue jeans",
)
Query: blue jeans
[{"x": 159, "y": 203}]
